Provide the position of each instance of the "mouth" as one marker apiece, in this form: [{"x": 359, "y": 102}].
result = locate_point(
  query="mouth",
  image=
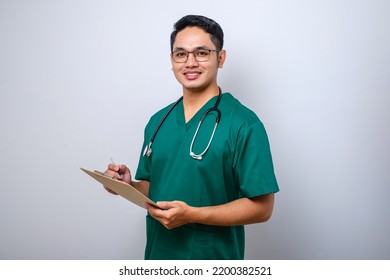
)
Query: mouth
[{"x": 192, "y": 75}]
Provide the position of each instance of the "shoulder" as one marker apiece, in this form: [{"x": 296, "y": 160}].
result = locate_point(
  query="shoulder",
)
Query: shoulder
[
  {"x": 158, "y": 116},
  {"x": 237, "y": 113}
]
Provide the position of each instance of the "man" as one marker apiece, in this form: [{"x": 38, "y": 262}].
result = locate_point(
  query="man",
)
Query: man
[{"x": 209, "y": 179}]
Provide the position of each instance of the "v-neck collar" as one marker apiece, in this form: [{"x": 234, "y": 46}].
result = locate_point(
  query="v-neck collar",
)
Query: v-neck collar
[{"x": 196, "y": 118}]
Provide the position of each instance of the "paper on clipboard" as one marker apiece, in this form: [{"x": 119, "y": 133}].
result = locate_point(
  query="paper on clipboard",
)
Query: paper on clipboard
[{"x": 123, "y": 189}]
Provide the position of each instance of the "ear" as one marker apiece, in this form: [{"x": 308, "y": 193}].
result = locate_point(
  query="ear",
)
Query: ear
[
  {"x": 221, "y": 58},
  {"x": 171, "y": 58}
]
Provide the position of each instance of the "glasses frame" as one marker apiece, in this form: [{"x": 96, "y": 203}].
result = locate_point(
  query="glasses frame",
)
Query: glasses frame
[{"x": 194, "y": 53}]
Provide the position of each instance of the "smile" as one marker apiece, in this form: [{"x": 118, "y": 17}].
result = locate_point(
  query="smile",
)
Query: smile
[{"x": 192, "y": 75}]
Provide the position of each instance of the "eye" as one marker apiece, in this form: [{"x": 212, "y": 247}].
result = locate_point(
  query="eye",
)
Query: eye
[
  {"x": 202, "y": 53},
  {"x": 180, "y": 54}
]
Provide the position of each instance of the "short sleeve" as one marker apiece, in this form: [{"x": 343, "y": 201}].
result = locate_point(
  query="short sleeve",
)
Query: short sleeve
[
  {"x": 143, "y": 169},
  {"x": 252, "y": 164}
]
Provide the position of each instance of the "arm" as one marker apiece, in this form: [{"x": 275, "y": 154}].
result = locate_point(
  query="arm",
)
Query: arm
[
  {"x": 238, "y": 212},
  {"x": 142, "y": 186}
]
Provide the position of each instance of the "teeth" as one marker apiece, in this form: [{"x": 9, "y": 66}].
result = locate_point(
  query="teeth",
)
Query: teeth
[{"x": 192, "y": 75}]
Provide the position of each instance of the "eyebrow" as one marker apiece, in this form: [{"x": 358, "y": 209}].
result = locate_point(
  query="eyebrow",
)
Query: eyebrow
[{"x": 197, "y": 48}]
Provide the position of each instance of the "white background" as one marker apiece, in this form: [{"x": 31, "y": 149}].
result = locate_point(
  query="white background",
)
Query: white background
[{"x": 80, "y": 79}]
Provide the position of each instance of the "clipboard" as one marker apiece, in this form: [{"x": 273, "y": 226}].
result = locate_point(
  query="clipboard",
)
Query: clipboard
[{"x": 123, "y": 189}]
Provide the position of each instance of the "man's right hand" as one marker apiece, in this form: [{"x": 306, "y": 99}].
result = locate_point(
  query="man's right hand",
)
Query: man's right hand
[{"x": 120, "y": 172}]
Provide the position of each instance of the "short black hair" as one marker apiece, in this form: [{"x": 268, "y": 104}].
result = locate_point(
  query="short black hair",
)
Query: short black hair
[{"x": 207, "y": 24}]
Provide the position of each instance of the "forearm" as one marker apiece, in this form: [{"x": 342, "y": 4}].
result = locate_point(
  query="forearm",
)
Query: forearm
[
  {"x": 239, "y": 212},
  {"x": 142, "y": 186},
  {"x": 242, "y": 211}
]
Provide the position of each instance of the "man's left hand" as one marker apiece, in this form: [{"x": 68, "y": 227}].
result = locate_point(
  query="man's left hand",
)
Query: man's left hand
[{"x": 175, "y": 213}]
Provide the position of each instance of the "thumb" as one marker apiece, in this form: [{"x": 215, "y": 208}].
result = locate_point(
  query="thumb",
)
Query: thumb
[{"x": 165, "y": 205}]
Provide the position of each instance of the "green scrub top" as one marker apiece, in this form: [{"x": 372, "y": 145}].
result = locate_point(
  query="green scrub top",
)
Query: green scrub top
[{"x": 237, "y": 164}]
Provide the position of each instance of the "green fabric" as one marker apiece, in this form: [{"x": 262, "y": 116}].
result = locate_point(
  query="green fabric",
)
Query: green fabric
[{"x": 237, "y": 164}]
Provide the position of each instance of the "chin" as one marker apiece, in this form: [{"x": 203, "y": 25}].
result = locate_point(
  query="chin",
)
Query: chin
[
  {"x": 195, "y": 89},
  {"x": 195, "y": 86}
]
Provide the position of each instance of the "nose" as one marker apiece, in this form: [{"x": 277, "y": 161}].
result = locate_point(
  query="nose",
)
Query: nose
[{"x": 191, "y": 61}]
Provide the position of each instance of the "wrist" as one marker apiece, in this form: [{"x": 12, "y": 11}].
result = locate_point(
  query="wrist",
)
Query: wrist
[{"x": 197, "y": 215}]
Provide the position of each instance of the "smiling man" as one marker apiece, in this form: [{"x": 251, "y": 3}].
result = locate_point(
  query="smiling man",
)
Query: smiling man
[{"x": 206, "y": 158}]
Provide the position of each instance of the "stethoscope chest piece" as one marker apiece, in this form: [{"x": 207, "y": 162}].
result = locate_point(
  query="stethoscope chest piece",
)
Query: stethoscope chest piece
[
  {"x": 148, "y": 150},
  {"x": 197, "y": 157}
]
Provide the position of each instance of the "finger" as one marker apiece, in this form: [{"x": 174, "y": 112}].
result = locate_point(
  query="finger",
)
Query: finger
[
  {"x": 153, "y": 210},
  {"x": 124, "y": 172},
  {"x": 157, "y": 213},
  {"x": 110, "y": 191},
  {"x": 166, "y": 204},
  {"x": 112, "y": 166},
  {"x": 113, "y": 174},
  {"x": 114, "y": 170}
]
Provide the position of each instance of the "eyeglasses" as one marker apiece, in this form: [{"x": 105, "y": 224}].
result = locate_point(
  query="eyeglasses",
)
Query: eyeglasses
[{"x": 200, "y": 55}]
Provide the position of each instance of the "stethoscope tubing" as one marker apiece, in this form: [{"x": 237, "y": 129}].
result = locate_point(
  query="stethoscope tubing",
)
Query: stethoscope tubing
[
  {"x": 148, "y": 149},
  {"x": 200, "y": 156}
]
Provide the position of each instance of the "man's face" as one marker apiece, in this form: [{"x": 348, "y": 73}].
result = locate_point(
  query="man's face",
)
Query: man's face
[{"x": 194, "y": 75}]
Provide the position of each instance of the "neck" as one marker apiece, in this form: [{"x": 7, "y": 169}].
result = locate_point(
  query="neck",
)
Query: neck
[
  {"x": 194, "y": 100},
  {"x": 195, "y": 96}
]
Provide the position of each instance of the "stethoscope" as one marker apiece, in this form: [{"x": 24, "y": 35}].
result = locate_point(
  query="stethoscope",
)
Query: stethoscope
[{"x": 148, "y": 149}]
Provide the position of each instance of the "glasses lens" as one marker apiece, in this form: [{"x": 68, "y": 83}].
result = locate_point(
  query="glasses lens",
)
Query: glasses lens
[
  {"x": 180, "y": 56},
  {"x": 202, "y": 55}
]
